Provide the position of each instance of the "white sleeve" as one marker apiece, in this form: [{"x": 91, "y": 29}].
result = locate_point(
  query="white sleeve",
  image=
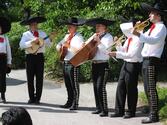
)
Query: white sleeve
[
  {"x": 126, "y": 55},
  {"x": 58, "y": 46},
  {"x": 108, "y": 41},
  {"x": 8, "y": 51},
  {"x": 25, "y": 43},
  {"x": 161, "y": 33}
]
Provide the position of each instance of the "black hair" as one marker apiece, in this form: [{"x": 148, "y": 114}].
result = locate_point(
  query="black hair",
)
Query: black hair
[{"x": 16, "y": 116}]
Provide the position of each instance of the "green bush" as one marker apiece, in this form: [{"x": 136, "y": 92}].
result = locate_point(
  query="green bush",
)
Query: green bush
[
  {"x": 18, "y": 56},
  {"x": 162, "y": 94},
  {"x": 56, "y": 10}
]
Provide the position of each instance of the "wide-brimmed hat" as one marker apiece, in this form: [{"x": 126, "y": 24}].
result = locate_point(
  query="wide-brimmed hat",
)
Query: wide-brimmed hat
[
  {"x": 100, "y": 20},
  {"x": 125, "y": 20},
  {"x": 158, "y": 7},
  {"x": 30, "y": 20},
  {"x": 73, "y": 21},
  {"x": 5, "y": 25},
  {"x": 132, "y": 20}
]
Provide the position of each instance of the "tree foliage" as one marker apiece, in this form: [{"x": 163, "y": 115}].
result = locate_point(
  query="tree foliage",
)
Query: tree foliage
[{"x": 55, "y": 11}]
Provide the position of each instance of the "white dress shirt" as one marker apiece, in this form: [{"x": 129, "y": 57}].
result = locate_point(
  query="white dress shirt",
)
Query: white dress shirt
[
  {"x": 134, "y": 51},
  {"x": 105, "y": 42},
  {"x": 76, "y": 43},
  {"x": 28, "y": 37},
  {"x": 154, "y": 44},
  {"x": 5, "y": 48}
]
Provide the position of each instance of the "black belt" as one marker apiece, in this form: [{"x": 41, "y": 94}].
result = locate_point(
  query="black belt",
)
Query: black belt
[
  {"x": 66, "y": 62},
  {"x": 150, "y": 58},
  {"x": 2, "y": 54},
  {"x": 35, "y": 54}
]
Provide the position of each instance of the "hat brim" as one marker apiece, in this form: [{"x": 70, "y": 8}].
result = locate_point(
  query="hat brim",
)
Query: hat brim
[
  {"x": 80, "y": 22},
  {"x": 94, "y": 21},
  {"x": 122, "y": 19},
  {"x": 5, "y": 25},
  {"x": 32, "y": 20},
  {"x": 150, "y": 8}
]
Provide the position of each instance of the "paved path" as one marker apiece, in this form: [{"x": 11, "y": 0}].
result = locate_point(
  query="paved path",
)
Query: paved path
[{"x": 54, "y": 94}]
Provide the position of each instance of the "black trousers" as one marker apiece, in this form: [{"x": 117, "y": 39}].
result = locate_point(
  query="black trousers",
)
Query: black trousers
[
  {"x": 71, "y": 74},
  {"x": 127, "y": 88},
  {"x": 35, "y": 68},
  {"x": 100, "y": 76},
  {"x": 3, "y": 63},
  {"x": 149, "y": 71}
]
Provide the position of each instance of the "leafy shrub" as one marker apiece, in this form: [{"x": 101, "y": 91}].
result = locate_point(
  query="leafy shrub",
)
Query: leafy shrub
[{"x": 162, "y": 94}]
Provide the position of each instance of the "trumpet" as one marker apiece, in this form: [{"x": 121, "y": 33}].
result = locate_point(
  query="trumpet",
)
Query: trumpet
[
  {"x": 118, "y": 41},
  {"x": 142, "y": 25}
]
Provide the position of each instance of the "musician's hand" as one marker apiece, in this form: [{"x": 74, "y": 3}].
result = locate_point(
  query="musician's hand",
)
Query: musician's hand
[
  {"x": 36, "y": 41},
  {"x": 9, "y": 65},
  {"x": 96, "y": 38},
  {"x": 135, "y": 32},
  {"x": 112, "y": 54},
  {"x": 115, "y": 38}
]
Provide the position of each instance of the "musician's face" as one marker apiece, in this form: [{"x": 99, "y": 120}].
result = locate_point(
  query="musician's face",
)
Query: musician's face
[
  {"x": 100, "y": 28},
  {"x": 34, "y": 26},
  {"x": 72, "y": 28},
  {"x": 154, "y": 17}
]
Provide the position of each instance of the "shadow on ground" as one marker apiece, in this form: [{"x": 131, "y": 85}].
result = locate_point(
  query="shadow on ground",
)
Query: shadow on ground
[{"x": 12, "y": 81}]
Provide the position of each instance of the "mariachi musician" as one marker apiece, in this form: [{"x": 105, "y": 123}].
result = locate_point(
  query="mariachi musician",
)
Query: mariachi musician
[
  {"x": 100, "y": 64},
  {"x": 5, "y": 55},
  {"x": 154, "y": 40},
  {"x": 67, "y": 47},
  {"x": 130, "y": 52},
  {"x": 34, "y": 59}
]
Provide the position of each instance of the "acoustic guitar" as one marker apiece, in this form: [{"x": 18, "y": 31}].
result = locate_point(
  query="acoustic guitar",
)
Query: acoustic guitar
[
  {"x": 36, "y": 46},
  {"x": 63, "y": 51}
]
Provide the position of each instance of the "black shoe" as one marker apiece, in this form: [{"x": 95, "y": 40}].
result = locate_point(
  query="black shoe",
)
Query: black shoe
[
  {"x": 31, "y": 101},
  {"x": 37, "y": 102},
  {"x": 96, "y": 112},
  {"x": 128, "y": 115},
  {"x": 103, "y": 114},
  {"x": 74, "y": 107},
  {"x": 3, "y": 100},
  {"x": 149, "y": 120},
  {"x": 67, "y": 105},
  {"x": 116, "y": 115}
]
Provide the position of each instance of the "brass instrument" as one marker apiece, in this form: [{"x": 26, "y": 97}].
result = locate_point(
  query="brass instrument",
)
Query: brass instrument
[
  {"x": 142, "y": 25},
  {"x": 118, "y": 41},
  {"x": 138, "y": 27}
]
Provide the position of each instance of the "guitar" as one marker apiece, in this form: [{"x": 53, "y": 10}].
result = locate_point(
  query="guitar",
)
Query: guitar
[
  {"x": 36, "y": 46},
  {"x": 63, "y": 51}
]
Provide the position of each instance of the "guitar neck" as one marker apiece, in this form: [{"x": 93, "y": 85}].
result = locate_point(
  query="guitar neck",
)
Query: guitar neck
[{"x": 45, "y": 37}]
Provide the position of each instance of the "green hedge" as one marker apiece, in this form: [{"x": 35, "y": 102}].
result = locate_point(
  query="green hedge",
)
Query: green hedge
[
  {"x": 57, "y": 10},
  {"x": 162, "y": 94}
]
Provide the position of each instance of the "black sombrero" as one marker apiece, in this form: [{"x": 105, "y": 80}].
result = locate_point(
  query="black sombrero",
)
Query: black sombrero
[
  {"x": 5, "y": 25},
  {"x": 94, "y": 21},
  {"x": 33, "y": 19},
  {"x": 28, "y": 18},
  {"x": 158, "y": 7},
  {"x": 74, "y": 21},
  {"x": 125, "y": 20}
]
